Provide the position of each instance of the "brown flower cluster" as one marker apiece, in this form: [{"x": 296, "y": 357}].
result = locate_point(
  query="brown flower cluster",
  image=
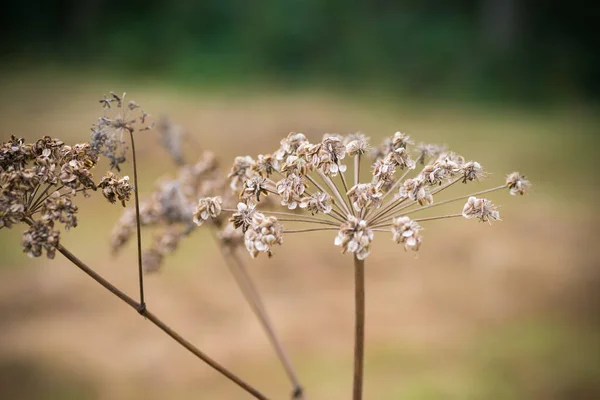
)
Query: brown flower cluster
[
  {"x": 315, "y": 177},
  {"x": 38, "y": 184}
]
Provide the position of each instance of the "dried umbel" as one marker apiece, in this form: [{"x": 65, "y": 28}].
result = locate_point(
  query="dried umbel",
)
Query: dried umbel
[
  {"x": 38, "y": 185},
  {"x": 120, "y": 119},
  {"x": 174, "y": 208},
  {"x": 115, "y": 188},
  {"x": 311, "y": 177}
]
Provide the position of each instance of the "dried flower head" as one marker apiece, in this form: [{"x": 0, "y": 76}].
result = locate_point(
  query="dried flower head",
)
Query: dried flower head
[
  {"x": 517, "y": 184},
  {"x": 314, "y": 182},
  {"x": 116, "y": 188},
  {"x": 482, "y": 209},
  {"x": 208, "y": 207}
]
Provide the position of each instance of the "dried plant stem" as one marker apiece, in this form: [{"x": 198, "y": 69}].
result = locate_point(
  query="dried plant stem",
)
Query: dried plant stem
[
  {"x": 137, "y": 221},
  {"x": 156, "y": 321},
  {"x": 307, "y": 221},
  {"x": 359, "y": 333},
  {"x": 336, "y": 192},
  {"x": 395, "y": 185},
  {"x": 311, "y": 230},
  {"x": 356, "y": 169},
  {"x": 314, "y": 182},
  {"x": 389, "y": 222},
  {"x": 240, "y": 273}
]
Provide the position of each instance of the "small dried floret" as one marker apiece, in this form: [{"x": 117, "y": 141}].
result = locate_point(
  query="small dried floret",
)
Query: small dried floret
[
  {"x": 383, "y": 172},
  {"x": 472, "y": 170},
  {"x": 291, "y": 190},
  {"x": 317, "y": 202},
  {"x": 333, "y": 148},
  {"x": 405, "y": 230},
  {"x": 254, "y": 188},
  {"x": 356, "y": 237},
  {"x": 517, "y": 184},
  {"x": 171, "y": 200},
  {"x": 401, "y": 157},
  {"x": 365, "y": 196},
  {"x": 416, "y": 190},
  {"x": 400, "y": 141},
  {"x": 116, "y": 188},
  {"x": 427, "y": 151},
  {"x": 60, "y": 208},
  {"x": 40, "y": 236},
  {"x": 357, "y": 147},
  {"x": 262, "y": 234},
  {"x": 482, "y": 209},
  {"x": 296, "y": 165},
  {"x": 244, "y": 216},
  {"x": 208, "y": 207},
  {"x": 290, "y": 145},
  {"x": 266, "y": 164},
  {"x": 240, "y": 171}
]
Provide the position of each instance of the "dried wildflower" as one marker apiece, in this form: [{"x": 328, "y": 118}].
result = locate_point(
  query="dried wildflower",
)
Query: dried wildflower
[
  {"x": 416, "y": 189},
  {"x": 317, "y": 202},
  {"x": 266, "y": 164},
  {"x": 209, "y": 207},
  {"x": 289, "y": 145},
  {"x": 240, "y": 171},
  {"x": 60, "y": 208},
  {"x": 40, "y": 236},
  {"x": 291, "y": 190},
  {"x": 427, "y": 151},
  {"x": 365, "y": 195},
  {"x": 119, "y": 120},
  {"x": 405, "y": 230},
  {"x": 472, "y": 170},
  {"x": 116, "y": 188},
  {"x": 517, "y": 184},
  {"x": 263, "y": 233},
  {"x": 355, "y": 236},
  {"x": 361, "y": 209},
  {"x": 244, "y": 216},
  {"x": 482, "y": 209}
]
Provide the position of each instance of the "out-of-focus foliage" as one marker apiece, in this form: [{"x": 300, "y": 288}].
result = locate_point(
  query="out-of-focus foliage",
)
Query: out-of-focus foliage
[{"x": 496, "y": 48}]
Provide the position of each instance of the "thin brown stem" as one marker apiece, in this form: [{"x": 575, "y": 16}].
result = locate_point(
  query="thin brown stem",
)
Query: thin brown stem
[
  {"x": 356, "y": 169},
  {"x": 307, "y": 221},
  {"x": 335, "y": 191},
  {"x": 137, "y": 221},
  {"x": 314, "y": 182},
  {"x": 359, "y": 333},
  {"x": 141, "y": 308},
  {"x": 310, "y": 230},
  {"x": 250, "y": 292}
]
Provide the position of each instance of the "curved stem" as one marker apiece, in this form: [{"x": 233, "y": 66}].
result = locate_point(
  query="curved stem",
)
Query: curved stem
[
  {"x": 137, "y": 220},
  {"x": 359, "y": 333}
]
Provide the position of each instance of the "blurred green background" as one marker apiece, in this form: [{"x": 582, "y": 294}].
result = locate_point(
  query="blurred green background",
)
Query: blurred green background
[{"x": 502, "y": 312}]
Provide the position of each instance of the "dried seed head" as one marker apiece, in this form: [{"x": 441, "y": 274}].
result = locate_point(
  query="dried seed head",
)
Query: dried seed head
[
  {"x": 405, "y": 230},
  {"x": 291, "y": 189},
  {"x": 365, "y": 196},
  {"x": 171, "y": 138},
  {"x": 517, "y": 184},
  {"x": 60, "y": 208},
  {"x": 400, "y": 141},
  {"x": 317, "y": 202},
  {"x": 357, "y": 147},
  {"x": 262, "y": 234},
  {"x": 208, "y": 207},
  {"x": 482, "y": 209},
  {"x": 40, "y": 236},
  {"x": 472, "y": 170},
  {"x": 241, "y": 170},
  {"x": 266, "y": 164},
  {"x": 296, "y": 165},
  {"x": 116, "y": 188},
  {"x": 416, "y": 190},
  {"x": 289, "y": 145},
  {"x": 356, "y": 237},
  {"x": 244, "y": 216},
  {"x": 253, "y": 189},
  {"x": 384, "y": 171},
  {"x": 427, "y": 151}
]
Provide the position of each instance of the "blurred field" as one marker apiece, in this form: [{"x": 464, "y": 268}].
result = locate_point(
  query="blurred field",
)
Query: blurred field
[{"x": 502, "y": 312}]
